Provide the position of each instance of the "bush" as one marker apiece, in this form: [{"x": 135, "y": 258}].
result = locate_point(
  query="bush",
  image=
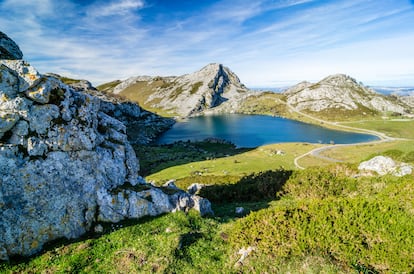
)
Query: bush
[
  {"x": 318, "y": 183},
  {"x": 394, "y": 154},
  {"x": 408, "y": 157},
  {"x": 369, "y": 233}
]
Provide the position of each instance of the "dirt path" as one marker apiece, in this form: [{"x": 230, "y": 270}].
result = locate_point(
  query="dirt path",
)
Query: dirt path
[{"x": 317, "y": 151}]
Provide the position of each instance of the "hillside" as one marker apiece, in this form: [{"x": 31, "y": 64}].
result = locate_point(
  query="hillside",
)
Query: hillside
[
  {"x": 340, "y": 96},
  {"x": 185, "y": 95}
]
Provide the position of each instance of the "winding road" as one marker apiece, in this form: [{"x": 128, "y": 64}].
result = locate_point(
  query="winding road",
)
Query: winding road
[{"x": 316, "y": 152}]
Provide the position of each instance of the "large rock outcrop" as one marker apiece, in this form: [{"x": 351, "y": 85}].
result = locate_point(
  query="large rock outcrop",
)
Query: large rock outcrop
[
  {"x": 143, "y": 127},
  {"x": 65, "y": 163}
]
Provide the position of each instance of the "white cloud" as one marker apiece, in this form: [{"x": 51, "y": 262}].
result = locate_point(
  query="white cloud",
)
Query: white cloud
[
  {"x": 307, "y": 44},
  {"x": 118, "y": 7}
]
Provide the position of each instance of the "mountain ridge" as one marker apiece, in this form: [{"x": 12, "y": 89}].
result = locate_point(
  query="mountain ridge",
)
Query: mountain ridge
[
  {"x": 186, "y": 95},
  {"x": 344, "y": 93},
  {"x": 216, "y": 89}
]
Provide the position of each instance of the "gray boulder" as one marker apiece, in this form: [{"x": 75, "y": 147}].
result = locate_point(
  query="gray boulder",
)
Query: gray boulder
[
  {"x": 121, "y": 204},
  {"x": 385, "y": 165},
  {"x": 195, "y": 188},
  {"x": 8, "y": 48}
]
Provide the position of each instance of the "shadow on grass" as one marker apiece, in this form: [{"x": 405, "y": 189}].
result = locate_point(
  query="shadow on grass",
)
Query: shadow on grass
[
  {"x": 253, "y": 193},
  {"x": 251, "y": 188}
]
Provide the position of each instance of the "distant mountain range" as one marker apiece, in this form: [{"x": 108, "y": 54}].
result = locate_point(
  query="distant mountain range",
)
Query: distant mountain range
[
  {"x": 215, "y": 88},
  {"x": 402, "y": 91}
]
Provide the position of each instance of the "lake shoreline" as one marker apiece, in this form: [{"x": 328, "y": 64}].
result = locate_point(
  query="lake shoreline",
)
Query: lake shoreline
[{"x": 246, "y": 130}]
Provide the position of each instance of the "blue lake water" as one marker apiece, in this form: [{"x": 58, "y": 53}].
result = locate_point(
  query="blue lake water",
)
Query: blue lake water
[{"x": 257, "y": 130}]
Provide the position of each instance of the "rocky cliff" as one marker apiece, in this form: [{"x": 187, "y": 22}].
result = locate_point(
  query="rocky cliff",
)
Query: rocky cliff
[
  {"x": 142, "y": 126},
  {"x": 65, "y": 161},
  {"x": 186, "y": 95},
  {"x": 341, "y": 92}
]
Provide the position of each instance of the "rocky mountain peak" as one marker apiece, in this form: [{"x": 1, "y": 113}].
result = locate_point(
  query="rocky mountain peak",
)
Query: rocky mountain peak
[
  {"x": 188, "y": 94},
  {"x": 345, "y": 82},
  {"x": 9, "y": 49},
  {"x": 338, "y": 78},
  {"x": 339, "y": 92}
]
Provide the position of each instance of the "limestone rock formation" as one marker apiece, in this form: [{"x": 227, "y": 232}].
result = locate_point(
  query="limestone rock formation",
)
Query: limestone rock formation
[
  {"x": 143, "y": 127},
  {"x": 9, "y": 49},
  {"x": 385, "y": 165},
  {"x": 64, "y": 160},
  {"x": 340, "y": 92},
  {"x": 186, "y": 95}
]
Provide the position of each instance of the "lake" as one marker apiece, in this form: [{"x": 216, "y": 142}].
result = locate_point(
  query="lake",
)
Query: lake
[{"x": 257, "y": 130}]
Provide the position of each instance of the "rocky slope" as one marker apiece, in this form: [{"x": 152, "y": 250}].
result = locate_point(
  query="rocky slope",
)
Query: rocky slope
[
  {"x": 190, "y": 94},
  {"x": 341, "y": 92},
  {"x": 142, "y": 126},
  {"x": 65, "y": 161},
  {"x": 407, "y": 99}
]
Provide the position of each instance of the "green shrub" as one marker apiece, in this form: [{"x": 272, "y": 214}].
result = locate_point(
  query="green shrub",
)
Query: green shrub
[
  {"x": 318, "y": 183},
  {"x": 394, "y": 154},
  {"x": 371, "y": 233},
  {"x": 408, "y": 157}
]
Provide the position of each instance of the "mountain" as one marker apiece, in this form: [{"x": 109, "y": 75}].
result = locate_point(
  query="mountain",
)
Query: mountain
[
  {"x": 344, "y": 95},
  {"x": 187, "y": 95}
]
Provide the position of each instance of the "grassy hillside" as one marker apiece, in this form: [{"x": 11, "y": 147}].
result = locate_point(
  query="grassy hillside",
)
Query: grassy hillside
[
  {"x": 402, "y": 128},
  {"x": 108, "y": 87},
  {"x": 142, "y": 90},
  {"x": 312, "y": 221},
  {"x": 266, "y": 103},
  {"x": 228, "y": 167}
]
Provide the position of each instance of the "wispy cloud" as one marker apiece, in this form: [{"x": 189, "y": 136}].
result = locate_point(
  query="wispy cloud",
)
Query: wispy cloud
[
  {"x": 263, "y": 41},
  {"x": 120, "y": 8}
]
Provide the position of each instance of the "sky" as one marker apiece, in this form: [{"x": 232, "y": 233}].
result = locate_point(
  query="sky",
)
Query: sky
[{"x": 267, "y": 43}]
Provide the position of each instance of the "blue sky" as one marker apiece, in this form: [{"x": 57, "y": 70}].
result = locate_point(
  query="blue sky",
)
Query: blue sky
[{"x": 267, "y": 43}]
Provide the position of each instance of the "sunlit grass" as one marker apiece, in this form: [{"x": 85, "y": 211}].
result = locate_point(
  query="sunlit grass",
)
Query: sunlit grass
[
  {"x": 256, "y": 160},
  {"x": 392, "y": 128}
]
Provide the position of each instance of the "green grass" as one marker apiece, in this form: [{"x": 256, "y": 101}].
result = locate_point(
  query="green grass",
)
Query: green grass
[
  {"x": 239, "y": 165},
  {"x": 159, "y": 157},
  {"x": 108, "y": 87},
  {"x": 392, "y": 128},
  {"x": 195, "y": 87},
  {"x": 357, "y": 153},
  {"x": 267, "y": 103},
  {"x": 313, "y": 221},
  {"x": 142, "y": 90},
  {"x": 363, "y": 223}
]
